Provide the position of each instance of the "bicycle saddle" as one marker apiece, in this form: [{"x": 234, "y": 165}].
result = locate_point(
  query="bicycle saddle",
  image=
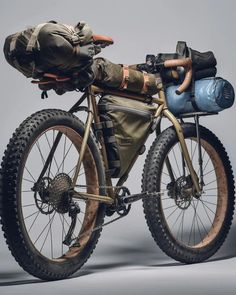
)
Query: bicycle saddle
[{"x": 102, "y": 40}]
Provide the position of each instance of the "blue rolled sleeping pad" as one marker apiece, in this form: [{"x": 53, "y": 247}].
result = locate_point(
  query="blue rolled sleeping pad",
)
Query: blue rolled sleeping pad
[{"x": 211, "y": 95}]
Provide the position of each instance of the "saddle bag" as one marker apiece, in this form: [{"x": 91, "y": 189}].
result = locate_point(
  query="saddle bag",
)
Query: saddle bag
[
  {"x": 122, "y": 77},
  {"x": 50, "y": 47},
  {"x": 210, "y": 95},
  {"x": 125, "y": 124}
]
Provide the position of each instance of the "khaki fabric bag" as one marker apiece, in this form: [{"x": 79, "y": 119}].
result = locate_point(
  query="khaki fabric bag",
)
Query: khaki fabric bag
[
  {"x": 50, "y": 47},
  {"x": 117, "y": 76},
  {"x": 126, "y": 125}
]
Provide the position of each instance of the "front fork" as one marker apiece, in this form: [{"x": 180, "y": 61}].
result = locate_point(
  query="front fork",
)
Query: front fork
[{"x": 185, "y": 154}]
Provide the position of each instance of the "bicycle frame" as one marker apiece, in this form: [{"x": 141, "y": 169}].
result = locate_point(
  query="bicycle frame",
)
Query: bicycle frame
[{"x": 161, "y": 111}]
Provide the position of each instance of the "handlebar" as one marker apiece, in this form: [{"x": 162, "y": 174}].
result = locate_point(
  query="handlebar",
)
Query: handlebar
[{"x": 187, "y": 64}]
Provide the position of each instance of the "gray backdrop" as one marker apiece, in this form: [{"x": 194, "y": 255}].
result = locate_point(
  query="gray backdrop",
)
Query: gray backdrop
[{"x": 127, "y": 260}]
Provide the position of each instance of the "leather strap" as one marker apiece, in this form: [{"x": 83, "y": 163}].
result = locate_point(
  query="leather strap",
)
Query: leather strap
[
  {"x": 145, "y": 82},
  {"x": 125, "y": 80},
  {"x": 34, "y": 38}
]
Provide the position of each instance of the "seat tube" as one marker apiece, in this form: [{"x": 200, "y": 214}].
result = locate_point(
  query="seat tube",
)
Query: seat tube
[{"x": 85, "y": 140}]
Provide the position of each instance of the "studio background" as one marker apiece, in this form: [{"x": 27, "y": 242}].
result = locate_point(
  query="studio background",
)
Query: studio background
[{"x": 126, "y": 260}]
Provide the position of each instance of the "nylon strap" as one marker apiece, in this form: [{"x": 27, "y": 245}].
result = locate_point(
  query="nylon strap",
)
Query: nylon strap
[
  {"x": 194, "y": 104},
  {"x": 34, "y": 38},
  {"x": 103, "y": 125},
  {"x": 12, "y": 48},
  {"x": 115, "y": 164},
  {"x": 110, "y": 139},
  {"x": 192, "y": 93},
  {"x": 13, "y": 42},
  {"x": 125, "y": 80},
  {"x": 145, "y": 82}
]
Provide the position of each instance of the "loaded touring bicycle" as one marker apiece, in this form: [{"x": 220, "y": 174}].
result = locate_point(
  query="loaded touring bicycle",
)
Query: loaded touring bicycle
[{"x": 58, "y": 173}]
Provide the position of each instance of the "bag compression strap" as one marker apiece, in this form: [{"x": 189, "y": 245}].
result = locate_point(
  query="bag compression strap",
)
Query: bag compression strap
[
  {"x": 13, "y": 42},
  {"x": 12, "y": 49},
  {"x": 145, "y": 83},
  {"x": 33, "y": 39},
  {"x": 125, "y": 80}
]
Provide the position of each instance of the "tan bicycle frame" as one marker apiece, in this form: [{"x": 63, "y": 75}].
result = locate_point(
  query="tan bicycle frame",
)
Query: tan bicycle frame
[{"x": 161, "y": 111}]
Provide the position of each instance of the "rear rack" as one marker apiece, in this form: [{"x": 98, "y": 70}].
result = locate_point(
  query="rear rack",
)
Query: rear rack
[{"x": 189, "y": 115}]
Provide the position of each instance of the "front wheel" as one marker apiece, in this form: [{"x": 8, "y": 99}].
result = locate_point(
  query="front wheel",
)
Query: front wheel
[
  {"x": 48, "y": 232},
  {"x": 189, "y": 229}
]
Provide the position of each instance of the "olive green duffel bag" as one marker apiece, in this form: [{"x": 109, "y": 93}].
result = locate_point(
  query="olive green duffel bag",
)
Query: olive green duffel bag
[
  {"x": 126, "y": 125},
  {"x": 50, "y": 48},
  {"x": 122, "y": 77}
]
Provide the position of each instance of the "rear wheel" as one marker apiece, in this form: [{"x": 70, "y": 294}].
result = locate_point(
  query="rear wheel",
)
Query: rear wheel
[
  {"x": 48, "y": 233},
  {"x": 187, "y": 228}
]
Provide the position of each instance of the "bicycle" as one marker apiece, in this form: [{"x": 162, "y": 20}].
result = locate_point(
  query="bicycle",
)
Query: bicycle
[{"x": 52, "y": 211}]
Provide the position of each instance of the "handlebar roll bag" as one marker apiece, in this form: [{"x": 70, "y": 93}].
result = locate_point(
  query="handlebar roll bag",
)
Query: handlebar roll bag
[{"x": 117, "y": 76}]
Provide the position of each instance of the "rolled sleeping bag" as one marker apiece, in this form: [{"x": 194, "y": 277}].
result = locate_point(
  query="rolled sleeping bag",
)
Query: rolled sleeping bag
[{"x": 211, "y": 95}]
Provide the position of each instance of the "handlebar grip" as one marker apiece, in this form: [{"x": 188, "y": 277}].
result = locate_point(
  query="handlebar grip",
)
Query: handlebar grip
[{"x": 187, "y": 64}]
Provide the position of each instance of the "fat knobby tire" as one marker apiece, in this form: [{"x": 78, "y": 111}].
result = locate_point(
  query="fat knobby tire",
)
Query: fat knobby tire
[
  {"x": 26, "y": 255},
  {"x": 152, "y": 208}
]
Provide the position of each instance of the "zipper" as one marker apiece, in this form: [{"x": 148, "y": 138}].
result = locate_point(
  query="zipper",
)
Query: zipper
[{"x": 143, "y": 113}]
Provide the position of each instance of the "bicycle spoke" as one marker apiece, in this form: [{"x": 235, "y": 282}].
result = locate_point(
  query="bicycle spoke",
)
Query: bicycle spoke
[
  {"x": 209, "y": 172},
  {"x": 195, "y": 148},
  {"x": 41, "y": 154},
  {"x": 193, "y": 221},
  {"x": 197, "y": 222},
  {"x": 64, "y": 150},
  {"x": 208, "y": 202},
  {"x": 50, "y": 222},
  {"x": 177, "y": 165},
  {"x": 44, "y": 229},
  {"x": 53, "y": 158},
  {"x": 30, "y": 174},
  {"x": 28, "y": 180},
  {"x": 172, "y": 213},
  {"x": 34, "y": 221},
  {"x": 51, "y": 239},
  {"x": 213, "y": 181},
  {"x": 64, "y": 157},
  {"x": 207, "y": 212}
]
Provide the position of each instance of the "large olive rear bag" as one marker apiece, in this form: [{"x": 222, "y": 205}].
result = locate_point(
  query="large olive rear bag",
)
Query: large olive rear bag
[
  {"x": 126, "y": 125},
  {"x": 50, "y": 47}
]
